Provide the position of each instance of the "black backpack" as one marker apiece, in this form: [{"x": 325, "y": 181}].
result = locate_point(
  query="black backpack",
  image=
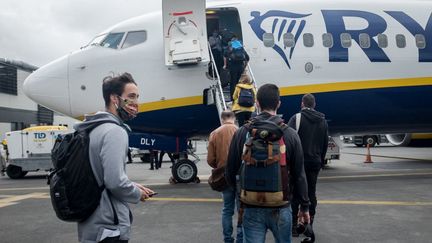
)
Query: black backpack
[
  {"x": 246, "y": 97},
  {"x": 238, "y": 54},
  {"x": 75, "y": 193}
]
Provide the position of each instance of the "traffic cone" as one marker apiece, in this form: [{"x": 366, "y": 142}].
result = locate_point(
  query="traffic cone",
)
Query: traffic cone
[{"x": 368, "y": 155}]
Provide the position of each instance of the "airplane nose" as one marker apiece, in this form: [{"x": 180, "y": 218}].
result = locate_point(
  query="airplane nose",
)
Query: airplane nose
[{"x": 49, "y": 86}]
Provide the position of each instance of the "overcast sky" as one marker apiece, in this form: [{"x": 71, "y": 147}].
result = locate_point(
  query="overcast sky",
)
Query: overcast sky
[{"x": 39, "y": 31}]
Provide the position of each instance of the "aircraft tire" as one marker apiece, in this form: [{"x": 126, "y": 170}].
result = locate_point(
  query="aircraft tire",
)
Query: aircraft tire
[
  {"x": 15, "y": 172},
  {"x": 371, "y": 140},
  {"x": 184, "y": 171}
]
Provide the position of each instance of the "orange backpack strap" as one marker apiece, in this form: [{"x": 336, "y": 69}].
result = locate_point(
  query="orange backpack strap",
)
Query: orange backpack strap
[{"x": 270, "y": 151}]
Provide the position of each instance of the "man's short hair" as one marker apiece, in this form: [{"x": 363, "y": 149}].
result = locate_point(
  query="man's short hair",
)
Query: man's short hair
[
  {"x": 268, "y": 97},
  {"x": 227, "y": 115},
  {"x": 115, "y": 85},
  {"x": 308, "y": 100}
]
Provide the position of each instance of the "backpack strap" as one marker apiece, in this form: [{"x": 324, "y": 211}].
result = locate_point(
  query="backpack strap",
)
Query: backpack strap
[
  {"x": 88, "y": 130},
  {"x": 116, "y": 220}
]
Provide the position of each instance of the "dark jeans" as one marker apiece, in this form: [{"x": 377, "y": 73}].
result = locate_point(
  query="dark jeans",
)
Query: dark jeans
[
  {"x": 312, "y": 177},
  {"x": 242, "y": 117},
  {"x": 236, "y": 71},
  {"x": 113, "y": 240}
]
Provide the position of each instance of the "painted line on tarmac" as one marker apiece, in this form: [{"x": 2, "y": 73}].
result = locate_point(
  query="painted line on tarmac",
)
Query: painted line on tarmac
[
  {"x": 174, "y": 199},
  {"x": 373, "y": 175},
  {"x": 24, "y": 188},
  {"x": 373, "y": 203},
  {"x": 329, "y": 202},
  {"x": 385, "y": 156},
  {"x": 15, "y": 199}
]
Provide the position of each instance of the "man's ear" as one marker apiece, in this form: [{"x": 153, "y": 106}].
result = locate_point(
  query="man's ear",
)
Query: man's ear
[
  {"x": 278, "y": 105},
  {"x": 114, "y": 99},
  {"x": 258, "y": 105}
]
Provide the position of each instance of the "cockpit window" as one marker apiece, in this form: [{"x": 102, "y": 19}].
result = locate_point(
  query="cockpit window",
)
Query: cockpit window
[
  {"x": 135, "y": 38},
  {"x": 97, "y": 40},
  {"x": 112, "y": 40}
]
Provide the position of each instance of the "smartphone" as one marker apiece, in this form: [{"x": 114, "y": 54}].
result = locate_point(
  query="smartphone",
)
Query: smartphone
[{"x": 151, "y": 195}]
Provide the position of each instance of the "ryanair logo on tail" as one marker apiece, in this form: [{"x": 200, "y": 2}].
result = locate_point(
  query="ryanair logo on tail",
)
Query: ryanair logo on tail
[{"x": 278, "y": 23}]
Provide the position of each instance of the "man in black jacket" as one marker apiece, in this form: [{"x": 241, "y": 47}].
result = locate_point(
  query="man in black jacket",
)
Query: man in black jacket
[
  {"x": 312, "y": 129},
  {"x": 257, "y": 220}
]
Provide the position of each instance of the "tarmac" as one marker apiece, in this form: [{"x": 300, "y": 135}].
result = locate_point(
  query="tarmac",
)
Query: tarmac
[{"x": 389, "y": 200}]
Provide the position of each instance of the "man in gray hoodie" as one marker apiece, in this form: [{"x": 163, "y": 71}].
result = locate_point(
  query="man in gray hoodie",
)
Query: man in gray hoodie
[{"x": 111, "y": 221}]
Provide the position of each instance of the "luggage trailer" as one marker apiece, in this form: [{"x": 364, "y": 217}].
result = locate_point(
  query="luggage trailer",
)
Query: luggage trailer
[{"x": 30, "y": 149}]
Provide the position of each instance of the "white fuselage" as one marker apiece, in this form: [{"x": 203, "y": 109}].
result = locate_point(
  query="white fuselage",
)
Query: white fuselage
[{"x": 342, "y": 78}]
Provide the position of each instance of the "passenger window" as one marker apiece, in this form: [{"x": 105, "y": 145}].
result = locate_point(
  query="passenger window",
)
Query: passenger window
[
  {"x": 288, "y": 39},
  {"x": 382, "y": 40},
  {"x": 364, "y": 40},
  {"x": 345, "y": 40},
  {"x": 327, "y": 40},
  {"x": 112, "y": 40},
  {"x": 308, "y": 40},
  {"x": 400, "y": 41},
  {"x": 134, "y": 38},
  {"x": 420, "y": 41},
  {"x": 268, "y": 40}
]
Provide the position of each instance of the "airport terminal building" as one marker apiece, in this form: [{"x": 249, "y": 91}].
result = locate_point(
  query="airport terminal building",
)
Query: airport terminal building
[{"x": 17, "y": 111}]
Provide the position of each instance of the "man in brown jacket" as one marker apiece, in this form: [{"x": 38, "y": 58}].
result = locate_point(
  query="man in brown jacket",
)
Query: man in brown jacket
[{"x": 219, "y": 143}]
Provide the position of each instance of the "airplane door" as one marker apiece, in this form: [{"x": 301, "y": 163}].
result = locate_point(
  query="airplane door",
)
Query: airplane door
[{"x": 185, "y": 32}]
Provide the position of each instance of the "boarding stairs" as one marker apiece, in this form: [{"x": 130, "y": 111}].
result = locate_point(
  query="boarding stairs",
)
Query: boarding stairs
[{"x": 222, "y": 97}]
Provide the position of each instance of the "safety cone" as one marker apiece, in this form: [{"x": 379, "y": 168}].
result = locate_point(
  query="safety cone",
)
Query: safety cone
[{"x": 368, "y": 155}]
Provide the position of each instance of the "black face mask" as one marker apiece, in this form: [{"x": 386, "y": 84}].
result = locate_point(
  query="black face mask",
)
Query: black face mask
[{"x": 123, "y": 112}]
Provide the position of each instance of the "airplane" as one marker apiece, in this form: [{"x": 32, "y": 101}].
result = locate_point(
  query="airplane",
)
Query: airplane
[{"x": 368, "y": 63}]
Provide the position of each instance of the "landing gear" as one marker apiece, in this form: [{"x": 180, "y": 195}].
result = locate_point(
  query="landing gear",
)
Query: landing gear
[
  {"x": 15, "y": 172},
  {"x": 371, "y": 140},
  {"x": 185, "y": 170}
]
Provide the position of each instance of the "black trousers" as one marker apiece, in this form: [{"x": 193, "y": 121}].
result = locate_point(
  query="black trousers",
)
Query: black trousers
[
  {"x": 154, "y": 159},
  {"x": 113, "y": 240},
  {"x": 243, "y": 117},
  {"x": 236, "y": 71},
  {"x": 312, "y": 177}
]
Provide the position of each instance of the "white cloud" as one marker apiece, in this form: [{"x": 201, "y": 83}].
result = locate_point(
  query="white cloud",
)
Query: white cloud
[{"x": 37, "y": 32}]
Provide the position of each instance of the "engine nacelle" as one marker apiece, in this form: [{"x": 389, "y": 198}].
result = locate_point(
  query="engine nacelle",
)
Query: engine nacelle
[
  {"x": 410, "y": 139},
  {"x": 403, "y": 139}
]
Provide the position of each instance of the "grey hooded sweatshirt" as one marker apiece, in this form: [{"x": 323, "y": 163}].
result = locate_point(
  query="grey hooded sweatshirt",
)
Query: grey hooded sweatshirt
[{"x": 108, "y": 150}]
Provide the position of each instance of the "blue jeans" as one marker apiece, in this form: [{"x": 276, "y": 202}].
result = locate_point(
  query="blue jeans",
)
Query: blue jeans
[
  {"x": 256, "y": 222},
  {"x": 230, "y": 202}
]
